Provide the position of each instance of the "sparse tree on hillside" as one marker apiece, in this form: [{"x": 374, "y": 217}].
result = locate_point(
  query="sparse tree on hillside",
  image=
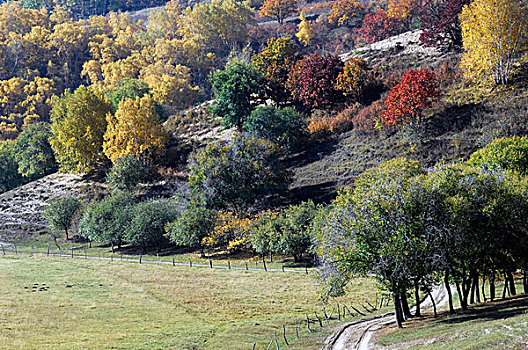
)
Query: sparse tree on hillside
[
  {"x": 345, "y": 12},
  {"x": 494, "y": 33},
  {"x": 59, "y": 212},
  {"x": 417, "y": 89},
  {"x": 278, "y": 9},
  {"x": 33, "y": 152}
]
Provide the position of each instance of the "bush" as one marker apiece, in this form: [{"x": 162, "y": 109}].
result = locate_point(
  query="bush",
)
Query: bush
[
  {"x": 148, "y": 221},
  {"x": 284, "y": 127},
  {"x": 508, "y": 153},
  {"x": 108, "y": 220},
  {"x": 191, "y": 227},
  {"x": 328, "y": 122},
  {"x": 127, "y": 173},
  {"x": 367, "y": 119}
]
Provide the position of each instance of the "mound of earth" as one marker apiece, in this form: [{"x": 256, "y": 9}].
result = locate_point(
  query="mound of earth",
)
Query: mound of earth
[{"x": 21, "y": 208}]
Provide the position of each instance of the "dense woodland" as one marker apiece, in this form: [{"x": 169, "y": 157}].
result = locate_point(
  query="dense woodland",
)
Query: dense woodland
[{"x": 91, "y": 91}]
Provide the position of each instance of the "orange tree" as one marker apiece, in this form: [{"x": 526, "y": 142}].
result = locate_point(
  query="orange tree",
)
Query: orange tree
[
  {"x": 278, "y": 9},
  {"x": 417, "y": 89}
]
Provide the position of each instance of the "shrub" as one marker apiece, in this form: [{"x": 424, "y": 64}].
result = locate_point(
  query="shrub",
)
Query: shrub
[
  {"x": 191, "y": 227},
  {"x": 341, "y": 121},
  {"x": 230, "y": 231},
  {"x": 9, "y": 176},
  {"x": 368, "y": 118},
  {"x": 284, "y": 127},
  {"x": 126, "y": 173},
  {"x": 148, "y": 220},
  {"x": 509, "y": 153}
]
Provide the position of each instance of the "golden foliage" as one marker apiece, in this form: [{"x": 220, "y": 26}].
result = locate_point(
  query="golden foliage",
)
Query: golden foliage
[
  {"x": 306, "y": 30},
  {"x": 343, "y": 12},
  {"x": 494, "y": 34},
  {"x": 134, "y": 129},
  {"x": 278, "y": 9}
]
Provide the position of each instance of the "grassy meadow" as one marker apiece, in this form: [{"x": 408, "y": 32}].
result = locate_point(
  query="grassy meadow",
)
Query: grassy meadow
[{"x": 61, "y": 303}]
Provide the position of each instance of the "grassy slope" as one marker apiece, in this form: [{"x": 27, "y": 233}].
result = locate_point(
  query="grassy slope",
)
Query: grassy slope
[
  {"x": 98, "y": 304},
  {"x": 499, "y": 325}
]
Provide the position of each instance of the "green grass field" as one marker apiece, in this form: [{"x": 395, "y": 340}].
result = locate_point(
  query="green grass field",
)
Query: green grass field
[{"x": 61, "y": 303}]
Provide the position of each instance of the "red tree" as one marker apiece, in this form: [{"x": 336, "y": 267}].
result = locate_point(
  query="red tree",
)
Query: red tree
[
  {"x": 417, "y": 89},
  {"x": 312, "y": 80},
  {"x": 440, "y": 24},
  {"x": 379, "y": 26}
]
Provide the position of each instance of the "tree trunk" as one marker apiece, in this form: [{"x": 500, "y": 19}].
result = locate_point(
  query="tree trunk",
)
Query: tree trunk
[
  {"x": 463, "y": 302},
  {"x": 511, "y": 280},
  {"x": 271, "y": 256},
  {"x": 492, "y": 286},
  {"x": 525, "y": 281},
  {"x": 449, "y": 295},
  {"x": 472, "y": 295},
  {"x": 417, "y": 297},
  {"x": 66, "y": 230},
  {"x": 433, "y": 302},
  {"x": 477, "y": 292},
  {"x": 202, "y": 252},
  {"x": 483, "y": 290},
  {"x": 405, "y": 306},
  {"x": 398, "y": 310}
]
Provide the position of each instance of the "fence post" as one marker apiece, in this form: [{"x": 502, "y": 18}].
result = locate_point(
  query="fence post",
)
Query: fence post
[
  {"x": 210, "y": 262},
  {"x": 229, "y": 264},
  {"x": 157, "y": 258},
  {"x": 306, "y": 267},
  {"x": 296, "y": 329},
  {"x": 72, "y": 252},
  {"x": 48, "y": 248},
  {"x": 282, "y": 267},
  {"x": 276, "y": 341},
  {"x": 173, "y": 263},
  {"x": 140, "y": 255},
  {"x": 308, "y": 323},
  {"x": 264, "y": 262},
  {"x": 190, "y": 262},
  {"x": 318, "y": 319},
  {"x": 16, "y": 251},
  {"x": 338, "y": 312},
  {"x": 246, "y": 266},
  {"x": 284, "y": 335},
  {"x": 3, "y": 249}
]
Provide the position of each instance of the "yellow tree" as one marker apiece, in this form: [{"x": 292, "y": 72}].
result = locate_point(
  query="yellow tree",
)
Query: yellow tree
[
  {"x": 306, "y": 30},
  {"x": 135, "y": 129},
  {"x": 278, "y": 9},
  {"x": 344, "y": 12},
  {"x": 78, "y": 123},
  {"x": 494, "y": 33}
]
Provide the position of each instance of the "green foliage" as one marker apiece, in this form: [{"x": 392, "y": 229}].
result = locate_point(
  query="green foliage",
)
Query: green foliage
[
  {"x": 296, "y": 236},
  {"x": 60, "y": 211},
  {"x": 107, "y": 221},
  {"x": 284, "y": 127},
  {"x": 9, "y": 176},
  {"x": 78, "y": 125},
  {"x": 233, "y": 89},
  {"x": 33, "y": 153},
  {"x": 148, "y": 221},
  {"x": 126, "y": 173},
  {"x": 129, "y": 88},
  {"x": 238, "y": 174},
  {"x": 508, "y": 153},
  {"x": 191, "y": 227}
]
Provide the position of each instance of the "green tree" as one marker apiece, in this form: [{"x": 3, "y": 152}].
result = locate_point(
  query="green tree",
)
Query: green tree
[
  {"x": 148, "y": 221},
  {"x": 238, "y": 174},
  {"x": 60, "y": 211},
  {"x": 33, "y": 152},
  {"x": 78, "y": 123},
  {"x": 107, "y": 221},
  {"x": 233, "y": 89},
  {"x": 126, "y": 173},
  {"x": 191, "y": 227},
  {"x": 295, "y": 233},
  {"x": 285, "y": 127},
  {"x": 9, "y": 175}
]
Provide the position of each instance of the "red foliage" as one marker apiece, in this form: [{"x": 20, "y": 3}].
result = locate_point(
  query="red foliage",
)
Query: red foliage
[
  {"x": 440, "y": 23},
  {"x": 367, "y": 119},
  {"x": 328, "y": 122},
  {"x": 312, "y": 80},
  {"x": 418, "y": 89},
  {"x": 379, "y": 26}
]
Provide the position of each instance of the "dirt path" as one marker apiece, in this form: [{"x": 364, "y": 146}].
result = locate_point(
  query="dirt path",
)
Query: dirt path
[{"x": 357, "y": 335}]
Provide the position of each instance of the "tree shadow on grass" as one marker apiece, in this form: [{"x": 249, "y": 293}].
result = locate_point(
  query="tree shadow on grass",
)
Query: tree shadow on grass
[{"x": 499, "y": 310}]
